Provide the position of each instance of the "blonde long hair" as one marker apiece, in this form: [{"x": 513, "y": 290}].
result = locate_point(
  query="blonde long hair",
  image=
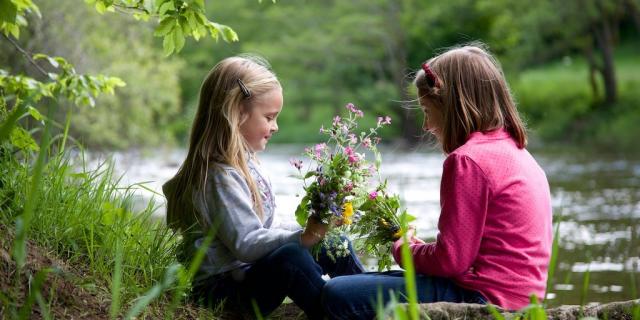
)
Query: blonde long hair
[
  {"x": 215, "y": 134},
  {"x": 471, "y": 91}
]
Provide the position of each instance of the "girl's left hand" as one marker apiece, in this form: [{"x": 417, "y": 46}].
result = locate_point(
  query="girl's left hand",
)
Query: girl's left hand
[{"x": 313, "y": 233}]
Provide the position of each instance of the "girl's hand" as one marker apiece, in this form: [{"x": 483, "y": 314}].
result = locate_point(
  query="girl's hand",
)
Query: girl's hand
[
  {"x": 313, "y": 233},
  {"x": 411, "y": 235}
]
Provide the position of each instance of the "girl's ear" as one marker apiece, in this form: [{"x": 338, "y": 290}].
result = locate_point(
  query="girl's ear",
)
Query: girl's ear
[{"x": 244, "y": 112}]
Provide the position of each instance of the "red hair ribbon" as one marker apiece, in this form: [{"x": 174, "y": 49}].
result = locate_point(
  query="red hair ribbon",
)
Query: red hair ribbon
[{"x": 431, "y": 77}]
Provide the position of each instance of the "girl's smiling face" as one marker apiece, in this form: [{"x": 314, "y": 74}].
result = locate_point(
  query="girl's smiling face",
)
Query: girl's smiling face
[{"x": 260, "y": 121}]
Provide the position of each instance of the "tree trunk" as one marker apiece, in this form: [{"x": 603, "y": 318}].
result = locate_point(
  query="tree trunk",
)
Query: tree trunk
[
  {"x": 398, "y": 60},
  {"x": 634, "y": 11},
  {"x": 593, "y": 71},
  {"x": 604, "y": 40}
]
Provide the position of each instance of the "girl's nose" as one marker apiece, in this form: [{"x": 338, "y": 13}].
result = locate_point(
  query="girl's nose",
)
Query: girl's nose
[{"x": 274, "y": 128}]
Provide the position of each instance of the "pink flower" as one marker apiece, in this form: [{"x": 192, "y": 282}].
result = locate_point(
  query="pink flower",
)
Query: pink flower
[
  {"x": 354, "y": 110},
  {"x": 385, "y": 120},
  {"x": 348, "y": 187},
  {"x": 336, "y": 120},
  {"x": 373, "y": 195},
  {"x": 319, "y": 148},
  {"x": 366, "y": 142},
  {"x": 322, "y": 129},
  {"x": 348, "y": 151},
  {"x": 353, "y": 158},
  {"x": 352, "y": 138},
  {"x": 296, "y": 163}
]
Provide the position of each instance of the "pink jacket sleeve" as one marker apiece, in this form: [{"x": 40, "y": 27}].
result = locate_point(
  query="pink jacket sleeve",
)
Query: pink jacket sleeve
[{"x": 464, "y": 197}]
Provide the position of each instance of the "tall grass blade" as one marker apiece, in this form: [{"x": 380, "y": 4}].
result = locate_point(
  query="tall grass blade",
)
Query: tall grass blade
[
  {"x": 154, "y": 292},
  {"x": 410, "y": 273},
  {"x": 494, "y": 312},
  {"x": 553, "y": 261},
  {"x": 23, "y": 221},
  {"x": 34, "y": 293},
  {"x": 115, "y": 284}
]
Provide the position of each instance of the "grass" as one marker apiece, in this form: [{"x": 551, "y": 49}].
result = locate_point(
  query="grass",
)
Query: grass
[
  {"x": 84, "y": 217},
  {"x": 559, "y": 105}
]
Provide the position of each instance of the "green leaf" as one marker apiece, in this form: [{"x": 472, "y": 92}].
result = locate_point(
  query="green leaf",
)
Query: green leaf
[
  {"x": 168, "y": 44},
  {"x": 14, "y": 30},
  {"x": 166, "y": 25},
  {"x": 191, "y": 20},
  {"x": 166, "y": 7},
  {"x": 229, "y": 35},
  {"x": 35, "y": 113},
  {"x": 8, "y": 11},
  {"x": 100, "y": 7},
  {"x": 178, "y": 38},
  {"x": 22, "y": 140},
  {"x": 302, "y": 214}
]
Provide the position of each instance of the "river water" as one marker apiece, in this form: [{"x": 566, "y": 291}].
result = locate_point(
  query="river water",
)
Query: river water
[{"x": 596, "y": 200}]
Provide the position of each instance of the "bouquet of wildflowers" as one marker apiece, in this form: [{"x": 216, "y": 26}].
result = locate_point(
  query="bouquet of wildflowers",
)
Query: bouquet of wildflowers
[{"x": 339, "y": 193}]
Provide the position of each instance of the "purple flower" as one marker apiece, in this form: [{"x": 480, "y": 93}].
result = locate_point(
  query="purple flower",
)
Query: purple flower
[
  {"x": 296, "y": 163},
  {"x": 322, "y": 129},
  {"x": 352, "y": 138},
  {"x": 336, "y": 120},
  {"x": 373, "y": 195}
]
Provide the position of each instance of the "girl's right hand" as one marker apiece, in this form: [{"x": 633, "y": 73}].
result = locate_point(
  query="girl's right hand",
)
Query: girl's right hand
[
  {"x": 411, "y": 235},
  {"x": 313, "y": 233}
]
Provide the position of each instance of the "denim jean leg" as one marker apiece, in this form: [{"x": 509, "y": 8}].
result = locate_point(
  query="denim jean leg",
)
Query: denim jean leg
[
  {"x": 288, "y": 271},
  {"x": 358, "y": 296}
]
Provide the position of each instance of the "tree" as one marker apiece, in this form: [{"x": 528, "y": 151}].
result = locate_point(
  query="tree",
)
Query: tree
[{"x": 590, "y": 28}]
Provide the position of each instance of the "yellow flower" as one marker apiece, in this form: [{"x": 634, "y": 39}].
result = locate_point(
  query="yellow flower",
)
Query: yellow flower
[
  {"x": 398, "y": 234},
  {"x": 347, "y": 212}
]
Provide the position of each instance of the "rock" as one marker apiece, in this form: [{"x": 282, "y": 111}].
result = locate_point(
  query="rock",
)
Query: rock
[{"x": 622, "y": 310}]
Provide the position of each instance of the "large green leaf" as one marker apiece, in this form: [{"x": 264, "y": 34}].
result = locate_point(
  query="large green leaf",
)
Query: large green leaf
[{"x": 8, "y": 11}]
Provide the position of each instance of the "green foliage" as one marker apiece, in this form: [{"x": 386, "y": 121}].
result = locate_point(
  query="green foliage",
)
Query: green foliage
[
  {"x": 573, "y": 114},
  {"x": 177, "y": 19}
]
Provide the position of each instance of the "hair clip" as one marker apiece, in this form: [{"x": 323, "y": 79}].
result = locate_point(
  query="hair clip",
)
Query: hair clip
[
  {"x": 244, "y": 89},
  {"x": 432, "y": 81}
]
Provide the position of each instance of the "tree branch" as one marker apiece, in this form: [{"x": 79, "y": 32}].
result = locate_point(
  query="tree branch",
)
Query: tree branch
[{"x": 27, "y": 55}]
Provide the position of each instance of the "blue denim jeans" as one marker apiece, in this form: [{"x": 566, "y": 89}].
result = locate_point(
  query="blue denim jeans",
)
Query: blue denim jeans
[
  {"x": 290, "y": 271},
  {"x": 355, "y": 297}
]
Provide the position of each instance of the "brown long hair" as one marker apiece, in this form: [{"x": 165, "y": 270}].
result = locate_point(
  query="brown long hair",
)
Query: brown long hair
[
  {"x": 472, "y": 93},
  {"x": 215, "y": 134}
]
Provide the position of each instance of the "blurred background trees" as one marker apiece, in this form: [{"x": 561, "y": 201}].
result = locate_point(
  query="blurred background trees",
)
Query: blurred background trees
[{"x": 573, "y": 65}]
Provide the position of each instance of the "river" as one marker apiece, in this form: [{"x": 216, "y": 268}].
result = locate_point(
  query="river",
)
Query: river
[{"x": 596, "y": 200}]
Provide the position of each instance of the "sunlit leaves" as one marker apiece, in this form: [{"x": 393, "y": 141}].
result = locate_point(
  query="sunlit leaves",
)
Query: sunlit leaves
[
  {"x": 65, "y": 83},
  {"x": 177, "y": 20},
  {"x": 12, "y": 14}
]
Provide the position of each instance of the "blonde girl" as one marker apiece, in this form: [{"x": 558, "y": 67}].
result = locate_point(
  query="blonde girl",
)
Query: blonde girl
[
  {"x": 251, "y": 263},
  {"x": 494, "y": 239}
]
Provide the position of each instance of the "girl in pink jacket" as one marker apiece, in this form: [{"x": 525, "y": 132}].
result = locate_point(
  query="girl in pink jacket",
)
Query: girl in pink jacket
[{"x": 495, "y": 230}]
